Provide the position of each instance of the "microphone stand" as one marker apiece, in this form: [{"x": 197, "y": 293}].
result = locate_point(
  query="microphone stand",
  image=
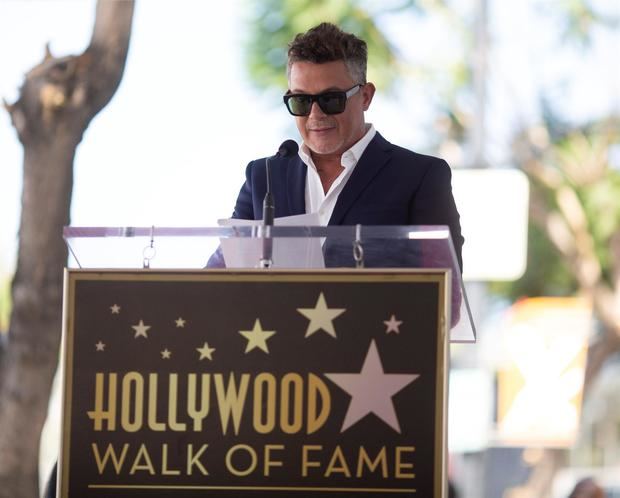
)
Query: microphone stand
[
  {"x": 266, "y": 260},
  {"x": 287, "y": 149}
]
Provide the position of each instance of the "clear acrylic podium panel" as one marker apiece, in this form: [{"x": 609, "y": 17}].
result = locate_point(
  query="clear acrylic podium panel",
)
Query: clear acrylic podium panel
[{"x": 291, "y": 248}]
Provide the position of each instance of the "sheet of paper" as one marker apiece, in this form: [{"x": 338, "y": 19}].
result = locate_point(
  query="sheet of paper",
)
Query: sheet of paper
[{"x": 288, "y": 252}]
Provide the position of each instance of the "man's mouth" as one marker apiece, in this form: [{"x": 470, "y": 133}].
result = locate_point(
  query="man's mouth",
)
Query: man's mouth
[{"x": 320, "y": 128}]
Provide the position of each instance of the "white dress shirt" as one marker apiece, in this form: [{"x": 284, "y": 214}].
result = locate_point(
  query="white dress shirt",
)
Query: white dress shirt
[{"x": 318, "y": 201}]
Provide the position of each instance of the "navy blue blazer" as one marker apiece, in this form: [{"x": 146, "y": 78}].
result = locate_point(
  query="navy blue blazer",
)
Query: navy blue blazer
[{"x": 390, "y": 185}]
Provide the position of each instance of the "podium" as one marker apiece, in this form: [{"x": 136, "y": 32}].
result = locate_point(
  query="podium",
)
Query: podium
[{"x": 324, "y": 375}]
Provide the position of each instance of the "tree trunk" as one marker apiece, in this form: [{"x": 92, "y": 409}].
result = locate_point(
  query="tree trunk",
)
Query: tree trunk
[{"x": 57, "y": 101}]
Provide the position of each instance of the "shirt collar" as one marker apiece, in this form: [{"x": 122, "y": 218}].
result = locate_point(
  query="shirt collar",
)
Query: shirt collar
[{"x": 350, "y": 157}]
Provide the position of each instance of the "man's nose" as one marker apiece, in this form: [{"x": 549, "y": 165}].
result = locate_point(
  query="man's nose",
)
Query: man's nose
[{"x": 316, "y": 111}]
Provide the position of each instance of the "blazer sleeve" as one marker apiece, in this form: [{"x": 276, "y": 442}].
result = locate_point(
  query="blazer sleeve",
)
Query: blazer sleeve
[
  {"x": 244, "y": 207},
  {"x": 433, "y": 204}
]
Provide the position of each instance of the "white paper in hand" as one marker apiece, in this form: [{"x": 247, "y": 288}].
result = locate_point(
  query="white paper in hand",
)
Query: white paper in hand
[{"x": 288, "y": 252}]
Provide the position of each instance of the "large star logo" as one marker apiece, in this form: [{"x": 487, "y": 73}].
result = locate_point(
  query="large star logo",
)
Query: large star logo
[
  {"x": 371, "y": 390},
  {"x": 257, "y": 337},
  {"x": 321, "y": 317}
]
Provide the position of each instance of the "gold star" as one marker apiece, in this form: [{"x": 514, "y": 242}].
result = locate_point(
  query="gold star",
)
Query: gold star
[
  {"x": 205, "y": 352},
  {"x": 165, "y": 354},
  {"x": 321, "y": 317},
  {"x": 140, "y": 329},
  {"x": 100, "y": 346},
  {"x": 115, "y": 308},
  {"x": 257, "y": 337},
  {"x": 392, "y": 325},
  {"x": 180, "y": 322}
]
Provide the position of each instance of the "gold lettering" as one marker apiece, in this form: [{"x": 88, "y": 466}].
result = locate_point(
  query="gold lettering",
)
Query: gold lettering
[
  {"x": 153, "y": 424},
  {"x": 305, "y": 462},
  {"x": 164, "y": 463},
  {"x": 230, "y": 400},
  {"x": 268, "y": 461},
  {"x": 294, "y": 426},
  {"x": 337, "y": 458},
  {"x": 264, "y": 426},
  {"x": 194, "y": 459},
  {"x": 99, "y": 414},
  {"x": 401, "y": 466},
  {"x": 138, "y": 382},
  {"x": 317, "y": 390},
  {"x": 364, "y": 459},
  {"x": 269, "y": 408},
  {"x": 198, "y": 415},
  {"x": 173, "y": 392},
  {"x": 147, "y": 465},
  {"x": 253, "y": 460},
  {"x": 117, "y": 462}
]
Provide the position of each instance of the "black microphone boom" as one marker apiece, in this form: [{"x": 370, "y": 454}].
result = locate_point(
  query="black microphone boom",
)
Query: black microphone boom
[{"x": 288, "y": 148}]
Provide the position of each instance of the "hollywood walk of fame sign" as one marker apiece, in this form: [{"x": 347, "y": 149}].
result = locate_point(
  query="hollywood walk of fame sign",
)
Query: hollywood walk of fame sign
[{"x": 261, "y": 384}]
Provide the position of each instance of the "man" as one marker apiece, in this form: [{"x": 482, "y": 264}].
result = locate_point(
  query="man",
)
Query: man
[{"x": 346, "y": 171}]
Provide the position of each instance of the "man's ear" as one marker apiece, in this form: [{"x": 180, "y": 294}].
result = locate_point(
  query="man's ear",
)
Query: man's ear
[{"x": 368, "y": 92}]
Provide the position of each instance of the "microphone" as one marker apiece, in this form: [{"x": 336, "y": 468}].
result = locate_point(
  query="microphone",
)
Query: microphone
[{"x": 288, "y": 148}]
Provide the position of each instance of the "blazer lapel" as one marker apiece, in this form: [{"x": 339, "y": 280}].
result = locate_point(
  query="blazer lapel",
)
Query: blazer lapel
[
  {"x": 296, "y": 186},
  {"x": 371, "y": 162}
]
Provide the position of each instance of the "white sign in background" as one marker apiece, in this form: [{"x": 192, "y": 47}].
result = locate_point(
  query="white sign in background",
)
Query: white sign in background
[{"x": 493, "y": 204}]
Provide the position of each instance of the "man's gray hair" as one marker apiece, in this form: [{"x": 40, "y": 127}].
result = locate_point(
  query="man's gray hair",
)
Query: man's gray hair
[{"x": 328, "y": 43}]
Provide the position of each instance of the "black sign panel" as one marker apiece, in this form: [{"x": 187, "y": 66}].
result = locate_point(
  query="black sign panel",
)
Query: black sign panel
[{"x": 260, "y": 384}]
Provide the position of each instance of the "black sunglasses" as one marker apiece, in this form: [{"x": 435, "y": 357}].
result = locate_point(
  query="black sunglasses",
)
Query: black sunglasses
[{"x": 300, "y": 104}]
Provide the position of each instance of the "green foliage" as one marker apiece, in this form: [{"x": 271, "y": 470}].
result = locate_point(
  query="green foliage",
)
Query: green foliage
[
  {"x": 582, "y": 158},
  {"x": 575, "y": 162},
  {"x": 274, "y": 23},
  {"x": 579, "y": 18},
  {"x": 546, "y": 274},
  {"x": 601, "y": 202}
]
